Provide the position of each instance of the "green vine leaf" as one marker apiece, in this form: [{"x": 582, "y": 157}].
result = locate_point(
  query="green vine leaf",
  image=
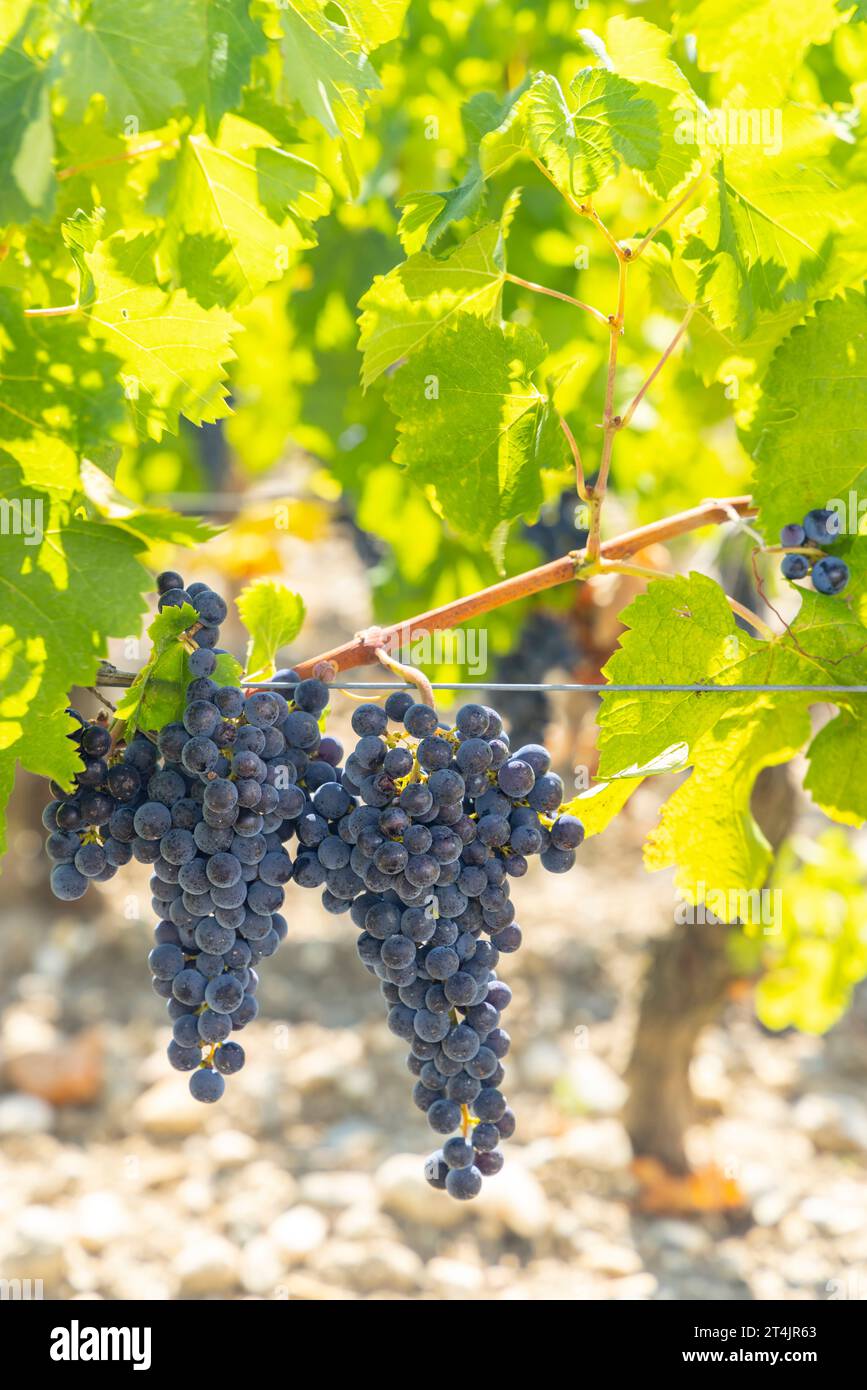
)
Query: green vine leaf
[
  {"x": 58, "y": 616},
  {"x": 682, "y": 631},
  {"x": 759, "y": 54},
  {"x": 273, "y": 616},
  {"x": 27, "y": 185},
  {"x": 809, "y": 435},
  {"x": 597, "y": 806},
  {"x": 157, "y": 695},
  {"x": 837, "y": 776},
  {"x": 472, "y": 426},
  {"x": 173, "y": 351},
  {"x": 609, "y": 122},
  {"x": 583, "y": 146},
  {"x": 137, "y": 56},
  {"x": 375, "y": 22},
  {"x": 48, "y": 419},
  {"x": 767, "y": 233},
  {"x": 707, "y": 830},
  {"x": 426, "y": 216},
  {"x": 151, "y": 524},
  {"x": 246, "y": 207},
  {"x": 640, "y": 51},
  {"x": 818, "y": 952},
  {"x": 325, "y": 69},
  {"x": 402, "y": 308},
  {"x": 232, "y": 39}
]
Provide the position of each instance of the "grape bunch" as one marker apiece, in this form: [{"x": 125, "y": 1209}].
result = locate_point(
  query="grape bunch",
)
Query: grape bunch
[
  {"x": 418, "y": 842},
  {"x": 417, "y": 836},
  {"x": 819, "y": 529},
  {"x": 236, "y": 773},
  {"x": 206, "y": 804}
]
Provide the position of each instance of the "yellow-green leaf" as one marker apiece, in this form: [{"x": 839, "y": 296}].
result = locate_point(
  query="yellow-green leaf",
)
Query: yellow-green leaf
[{"x": 273, "y": 616}]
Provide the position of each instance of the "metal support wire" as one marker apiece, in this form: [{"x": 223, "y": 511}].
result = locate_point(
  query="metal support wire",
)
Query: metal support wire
[
  {"x": 109, "y": 677},
  {"x": 598, "y": 689}
]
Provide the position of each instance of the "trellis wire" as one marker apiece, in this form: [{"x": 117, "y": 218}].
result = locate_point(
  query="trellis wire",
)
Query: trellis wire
[
  {"x": 110, "y": 677},
  {"x": 566, "y": 685}
]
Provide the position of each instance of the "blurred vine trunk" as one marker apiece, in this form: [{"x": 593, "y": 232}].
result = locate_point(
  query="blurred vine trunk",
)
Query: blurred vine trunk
[{"x": 685, "y": 989}]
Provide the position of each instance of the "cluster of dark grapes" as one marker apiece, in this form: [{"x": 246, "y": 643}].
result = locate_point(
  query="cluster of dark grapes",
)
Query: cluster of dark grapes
[
  {"x": 81, "y": 842},
  {"x": 207, "y": 805},
  {"x": 236, "y": 774},
  {"x": 417, "y": 836},
  {"x": 560, "y": 527},
  {"x": 819, "y": 529},
  {"x": 418, "y": 841}
]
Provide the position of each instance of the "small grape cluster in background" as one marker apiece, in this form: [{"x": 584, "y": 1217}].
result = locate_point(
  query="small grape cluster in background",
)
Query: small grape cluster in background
[
  {"x": 819, "y": 529},
  {"x": 81, "y": 842}
]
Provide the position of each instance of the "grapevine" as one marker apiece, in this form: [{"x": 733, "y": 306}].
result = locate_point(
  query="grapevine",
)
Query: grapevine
[{"x": 196, "y": 201}]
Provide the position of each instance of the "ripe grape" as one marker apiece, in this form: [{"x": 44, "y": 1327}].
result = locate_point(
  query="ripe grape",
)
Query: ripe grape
[
  {"x": 173, "y": 598},
  {"x": 463, "y": 1183},
  {"x": 830, "y": 575},
  {"x": 795, "y": 567},
  {"x": 452, "y": 836},
  {"x": 211, "y": 608},
  {"x": 821, "y": 526},
  {"x": 67, "y": 883},
  {"x": 229, "y": 1058},
  {"x": 206, "y": 846},
  {"x": 169, "y": 579},
  {"x": 183, "y": 1058},
  {"x": 416, "y": 837},
  {"x": 207, "y": 1085},
  {"x": 202, "y": 662},
  {"x": 793, "y": 535}
]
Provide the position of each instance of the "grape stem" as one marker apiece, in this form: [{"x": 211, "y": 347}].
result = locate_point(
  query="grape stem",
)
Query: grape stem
[
  {"x": 55, "y": 311},
  {"x": 812, "y": 550},
  {"x": 557, "y": 294},
  {"x": 149, "y": 148},
  {"x": 580, "y": 483},
  {"x": 411, "y": 674},
  {"x": 610, "y": 421},
  {"x": 640, "y": 394},
  {"x": 675, "y": 207},
  {"x": 645, "y": 572},
  {"x": 361, "y": 651},
  {"x": 92, "y": 690}
]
